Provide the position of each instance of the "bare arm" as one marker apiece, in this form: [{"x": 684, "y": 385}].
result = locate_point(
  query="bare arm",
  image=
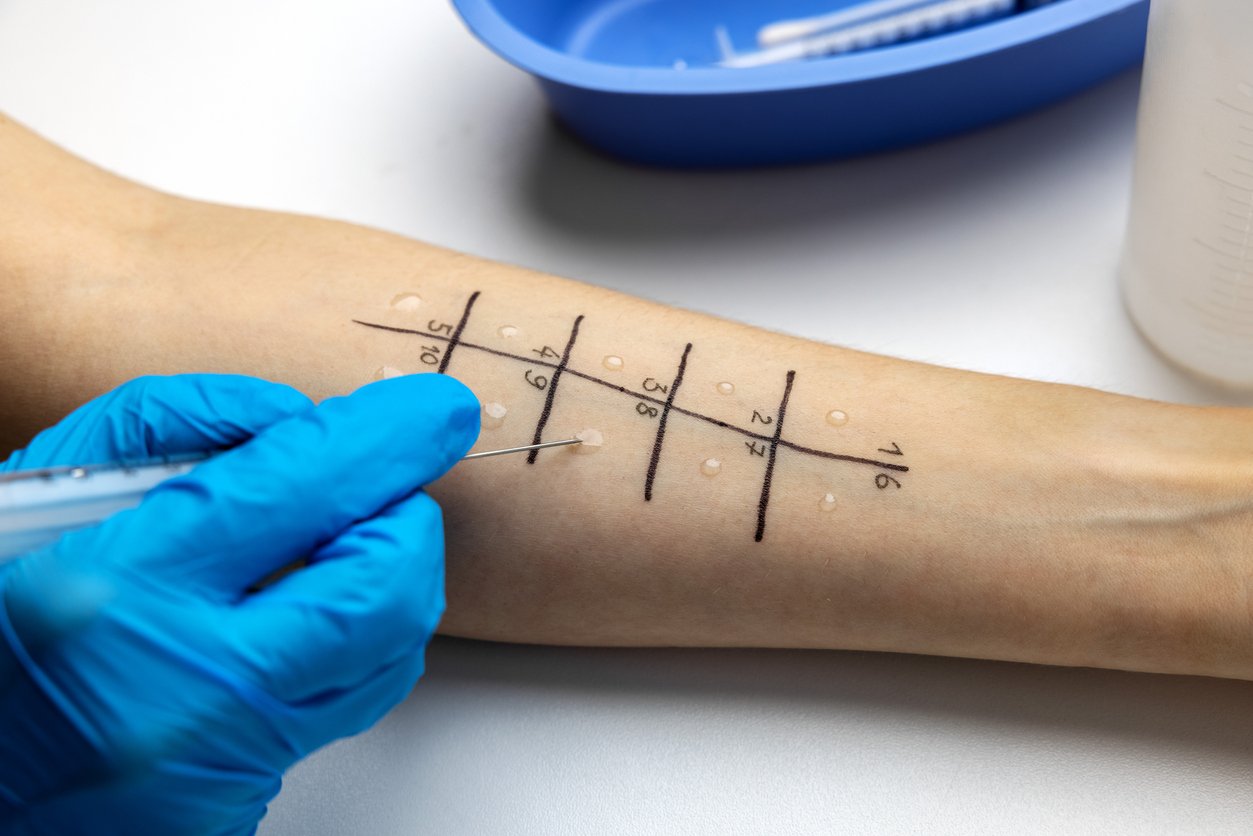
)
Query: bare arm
[{"x": 751, "y": 489}]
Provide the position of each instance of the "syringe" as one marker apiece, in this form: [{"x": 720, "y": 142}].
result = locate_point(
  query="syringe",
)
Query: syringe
[{"x": 38, "y": 506}]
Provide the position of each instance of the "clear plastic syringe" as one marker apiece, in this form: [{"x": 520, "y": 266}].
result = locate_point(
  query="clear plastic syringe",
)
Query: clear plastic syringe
[{"x": 38, "y": 506}]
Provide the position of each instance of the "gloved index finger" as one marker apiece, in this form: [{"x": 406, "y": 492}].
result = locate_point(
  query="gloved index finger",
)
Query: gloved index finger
[
  {"x": 237, "y": 518},
  {"x": 160, "y": 416}
]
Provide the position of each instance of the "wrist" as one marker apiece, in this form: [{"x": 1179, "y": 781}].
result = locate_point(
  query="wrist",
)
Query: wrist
[
  {"x": 1168, "y": 529},
  {"x": 1113, "y": 533}
]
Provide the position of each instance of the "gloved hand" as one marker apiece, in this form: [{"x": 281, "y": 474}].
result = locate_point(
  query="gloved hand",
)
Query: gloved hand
[{"x": 143, "y": 689}]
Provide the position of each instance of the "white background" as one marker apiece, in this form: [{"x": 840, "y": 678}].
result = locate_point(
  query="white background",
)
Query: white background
[{"x": 995, "y": 251}]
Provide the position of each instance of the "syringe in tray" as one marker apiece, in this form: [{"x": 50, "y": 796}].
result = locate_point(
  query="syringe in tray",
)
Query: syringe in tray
[{"x": 866, "y": 26}]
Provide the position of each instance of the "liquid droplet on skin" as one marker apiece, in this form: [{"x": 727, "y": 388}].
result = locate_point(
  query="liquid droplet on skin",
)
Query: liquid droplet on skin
[
  {"x": 711, "y": 467},
  {"x": 493, "y": 415},
  {"x": 613, "y": 362},
  {"x": 827, "y": 503},
  {"x": 592, "y": 440},
  {"x": 837, "y": 417},
  {"x": 407, "y": 302},
  {"x": 507, "y": 331},
  {"x": 387, "y": 373},
  {"x": 725, "y": 388}
]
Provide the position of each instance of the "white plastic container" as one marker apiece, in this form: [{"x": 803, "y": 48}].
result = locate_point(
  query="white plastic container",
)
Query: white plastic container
[{"x": 1187, "y": 268}]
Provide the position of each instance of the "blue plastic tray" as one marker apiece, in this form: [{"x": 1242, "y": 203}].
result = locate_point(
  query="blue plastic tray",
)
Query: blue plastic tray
[{"x": 608, "y": 69}]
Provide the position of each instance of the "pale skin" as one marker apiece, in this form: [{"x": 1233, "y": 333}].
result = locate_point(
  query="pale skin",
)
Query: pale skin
[{"x": 1036, "y": 522}]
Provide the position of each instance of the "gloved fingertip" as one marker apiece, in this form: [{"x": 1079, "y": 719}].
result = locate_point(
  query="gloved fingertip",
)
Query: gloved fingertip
[
  {"x": 464, "y": 412},
  {"x": 436, "y": 398}
]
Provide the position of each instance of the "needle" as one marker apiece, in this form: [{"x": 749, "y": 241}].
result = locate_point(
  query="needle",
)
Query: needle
[{"x": 539, "y": 446}]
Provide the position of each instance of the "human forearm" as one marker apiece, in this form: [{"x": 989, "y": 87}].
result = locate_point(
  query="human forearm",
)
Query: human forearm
[{"x": 1034, "y": 522}]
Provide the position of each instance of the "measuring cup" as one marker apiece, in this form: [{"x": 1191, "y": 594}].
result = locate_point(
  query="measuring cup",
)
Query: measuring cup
[{"x": 1187, "y": 267}]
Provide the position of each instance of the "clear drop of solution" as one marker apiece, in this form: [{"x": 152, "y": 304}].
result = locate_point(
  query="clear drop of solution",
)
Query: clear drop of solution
[
  {"x": 837, "y": 417},
  {"x": 407, "y": 302},
  {"x": 493, "y": 415},
  {"x": 711, "y": 467},
  {"x": 387, "y": 373},
  {"x": 592, "y": 440},
  {"x": 725, "y": 388}
]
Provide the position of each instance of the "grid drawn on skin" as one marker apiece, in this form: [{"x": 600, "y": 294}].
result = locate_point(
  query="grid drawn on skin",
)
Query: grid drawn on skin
[{"x": 667, "y": 405}]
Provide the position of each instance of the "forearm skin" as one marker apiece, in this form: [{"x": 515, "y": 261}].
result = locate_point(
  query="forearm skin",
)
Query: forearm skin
[{"x": 1034, "y": 522}]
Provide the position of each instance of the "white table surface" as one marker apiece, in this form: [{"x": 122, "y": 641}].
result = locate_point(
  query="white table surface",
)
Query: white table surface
[{"x": 996, "y": 251}]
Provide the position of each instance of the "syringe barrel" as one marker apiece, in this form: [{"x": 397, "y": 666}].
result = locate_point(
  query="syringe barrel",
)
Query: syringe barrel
[{"x": 36, "y": 511}]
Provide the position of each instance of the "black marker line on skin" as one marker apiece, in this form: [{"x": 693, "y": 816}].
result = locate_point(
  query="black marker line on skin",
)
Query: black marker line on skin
[
  {"x": 552, "y": 389},
  {"x": 774, "y": 451},
  {"x": 455, "y": 339},
  {"x": 661, "y": 426}
]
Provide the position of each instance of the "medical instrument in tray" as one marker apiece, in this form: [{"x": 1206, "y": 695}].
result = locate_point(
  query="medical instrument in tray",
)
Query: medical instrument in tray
[
  {"x": 643, "y": 81},
  {"x": 867, "y": 26}
]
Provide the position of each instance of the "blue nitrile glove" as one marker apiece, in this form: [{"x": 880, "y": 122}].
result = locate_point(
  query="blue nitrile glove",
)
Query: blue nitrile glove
[{"x": 143, "y": 688}]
